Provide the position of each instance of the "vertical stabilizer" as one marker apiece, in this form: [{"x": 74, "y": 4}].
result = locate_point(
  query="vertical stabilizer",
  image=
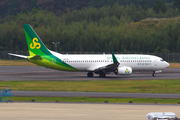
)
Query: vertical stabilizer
[{"x": 35, "y": 45}]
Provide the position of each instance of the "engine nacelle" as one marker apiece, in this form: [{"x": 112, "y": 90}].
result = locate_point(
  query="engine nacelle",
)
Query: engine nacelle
[{"x": 123, "y": 71}]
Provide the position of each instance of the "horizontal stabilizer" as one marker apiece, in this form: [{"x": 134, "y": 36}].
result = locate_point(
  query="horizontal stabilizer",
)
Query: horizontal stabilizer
[
  {"x": 16, "y": 55},
  {"x": 37, "y": 57}
]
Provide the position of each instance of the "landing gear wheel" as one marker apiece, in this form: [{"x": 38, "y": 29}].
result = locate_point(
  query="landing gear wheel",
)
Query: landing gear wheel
[
  {"x": 90, "y": 74},
  {"x": 154, "y": 74},
  {"x": 102, "y": 75}
]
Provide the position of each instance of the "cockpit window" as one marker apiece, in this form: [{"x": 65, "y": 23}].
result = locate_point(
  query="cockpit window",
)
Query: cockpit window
[{"x": 161, "y": 60}]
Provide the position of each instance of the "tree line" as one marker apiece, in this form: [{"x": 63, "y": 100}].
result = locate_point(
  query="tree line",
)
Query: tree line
[
  {"x": 116, "y": 28},
  {"x": 59, "y": 7}
]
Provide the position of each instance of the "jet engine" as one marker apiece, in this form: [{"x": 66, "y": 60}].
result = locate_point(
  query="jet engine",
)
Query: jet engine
[{"x": 123, "y": 70}]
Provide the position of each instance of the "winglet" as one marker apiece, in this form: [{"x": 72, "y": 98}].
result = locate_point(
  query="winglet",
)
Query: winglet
[{"x": 114, "y": 58}]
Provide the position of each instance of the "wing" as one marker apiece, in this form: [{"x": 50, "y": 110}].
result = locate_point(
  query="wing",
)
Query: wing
[{"x": 110, "y": 67}]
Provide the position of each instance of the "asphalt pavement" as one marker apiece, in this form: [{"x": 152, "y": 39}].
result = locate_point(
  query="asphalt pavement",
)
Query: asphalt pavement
[{"x": 29, "y": 73}]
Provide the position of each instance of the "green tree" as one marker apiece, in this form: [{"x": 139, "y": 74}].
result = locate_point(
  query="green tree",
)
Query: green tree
[
  {"x": 176, "y": 4},
  {"x": 25, "y": 11},
  {"x": 159, "y": 6},
  {"x": 33, "y": 4},
  {"x": 145, "y": 7},
  {"x": 178, "y": 45},
  {"x": 14, "y": 8},
  {"x": 163, "y": 8},
  {"x": 156, "y": 7}
]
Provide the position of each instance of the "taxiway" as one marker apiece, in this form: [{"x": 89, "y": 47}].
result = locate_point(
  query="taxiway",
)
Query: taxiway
[{"x": 24, "y": 73}]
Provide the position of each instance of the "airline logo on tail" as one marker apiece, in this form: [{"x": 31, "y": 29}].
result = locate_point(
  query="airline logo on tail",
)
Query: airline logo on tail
[{"x": 35, "y": 44}]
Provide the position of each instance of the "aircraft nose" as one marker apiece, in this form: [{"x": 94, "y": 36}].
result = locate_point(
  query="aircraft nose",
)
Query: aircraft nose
[{"x": 167, "y": 64}]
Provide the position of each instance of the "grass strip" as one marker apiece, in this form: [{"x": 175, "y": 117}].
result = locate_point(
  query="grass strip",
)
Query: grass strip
[
  {"x": 16, "y": 63},
  {"x": 174, "y": 65},
  {"x": 97, "y": 100},
  {"x": 121, "y": 86}
]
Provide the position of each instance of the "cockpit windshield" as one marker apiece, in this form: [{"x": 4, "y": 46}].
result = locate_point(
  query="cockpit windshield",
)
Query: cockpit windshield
[{"x": 161, "y": 60}]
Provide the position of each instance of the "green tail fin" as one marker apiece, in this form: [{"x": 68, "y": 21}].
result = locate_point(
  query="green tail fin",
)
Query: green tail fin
[{"x": 35, "y": 45}]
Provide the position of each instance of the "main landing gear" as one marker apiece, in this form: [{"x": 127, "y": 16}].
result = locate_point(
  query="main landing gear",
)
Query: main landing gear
[
  {"x": 90, "y": 74},
  {"x": 154, "y": 74},
  {"x": 102, "y": 74}
]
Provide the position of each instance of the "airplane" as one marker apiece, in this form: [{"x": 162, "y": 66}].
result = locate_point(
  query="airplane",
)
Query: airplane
[{"x": 102, "y": 64}]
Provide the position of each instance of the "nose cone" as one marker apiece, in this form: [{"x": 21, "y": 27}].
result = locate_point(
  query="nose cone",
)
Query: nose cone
[{"x": 167, "y": 64}]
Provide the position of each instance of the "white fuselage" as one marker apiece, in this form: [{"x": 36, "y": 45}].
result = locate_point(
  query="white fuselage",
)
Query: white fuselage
[{"x": 88, "y": 62}]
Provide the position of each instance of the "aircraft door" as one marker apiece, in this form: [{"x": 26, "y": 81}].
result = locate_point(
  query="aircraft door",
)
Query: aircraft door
[{"x": 155, "y": 62}]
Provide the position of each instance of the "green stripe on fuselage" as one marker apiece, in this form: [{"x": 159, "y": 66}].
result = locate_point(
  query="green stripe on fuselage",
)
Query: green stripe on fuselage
[
  {"x": 53, "y": 62},
  {"x": 57, "y": 65}
]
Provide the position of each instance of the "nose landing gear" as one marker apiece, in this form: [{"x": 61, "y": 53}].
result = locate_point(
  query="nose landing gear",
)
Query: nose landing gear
[{"x": 154, "y": 74}]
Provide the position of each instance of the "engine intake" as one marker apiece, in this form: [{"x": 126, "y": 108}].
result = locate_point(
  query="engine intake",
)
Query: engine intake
[{"x": 123, "y": 71}]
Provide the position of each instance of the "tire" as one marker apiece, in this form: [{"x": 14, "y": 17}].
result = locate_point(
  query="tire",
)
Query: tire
[
  {"x": 154, "y": 75},
  {"x": 102, "y": 75},
  {"x": 90, "y": 74}
]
